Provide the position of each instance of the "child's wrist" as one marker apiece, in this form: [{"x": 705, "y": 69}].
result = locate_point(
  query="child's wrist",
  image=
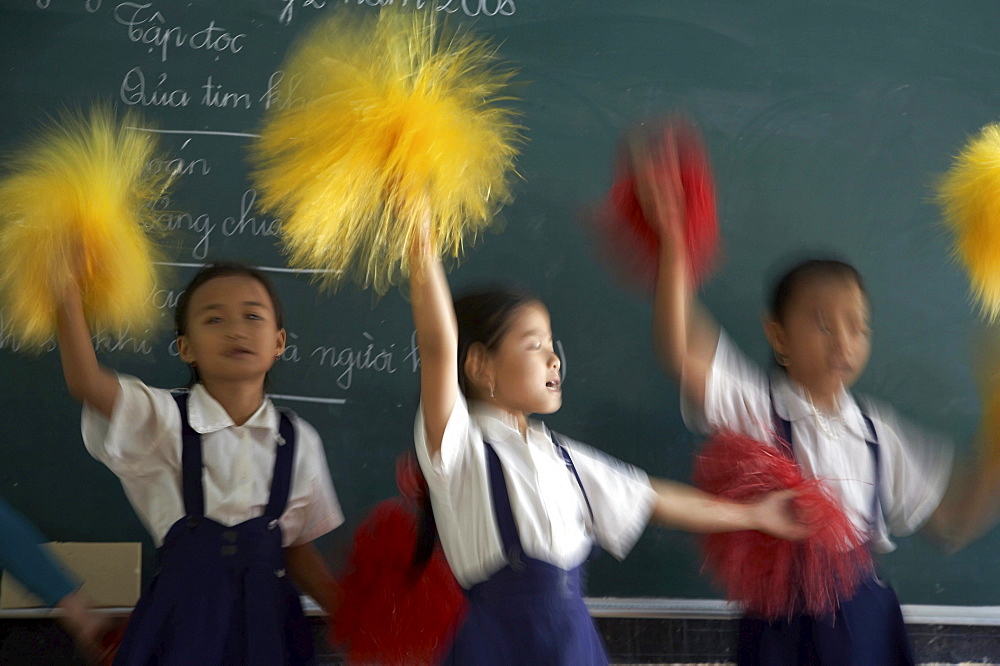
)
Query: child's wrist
[{"x": 755, "y": 518}]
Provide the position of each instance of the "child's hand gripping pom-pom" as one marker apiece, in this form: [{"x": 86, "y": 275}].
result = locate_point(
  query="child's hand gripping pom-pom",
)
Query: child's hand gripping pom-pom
[
  {"x": 379, "y": 115},
  {"x": 675, "y": 157},
  {"x": 77, "y": 205},
  {"x": 770, "y": 577},
  {"x": 969, "y": 195},
  {"x": 396, "y": 609},
  {"x": 986, "y": 366}
]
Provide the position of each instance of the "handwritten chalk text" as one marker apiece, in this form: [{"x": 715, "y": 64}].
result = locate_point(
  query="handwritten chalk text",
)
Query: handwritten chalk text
[
  {"x": 135, "y": 91},
  {"x": 149, "y": 27},
  {"x": 466, "y": 7}
]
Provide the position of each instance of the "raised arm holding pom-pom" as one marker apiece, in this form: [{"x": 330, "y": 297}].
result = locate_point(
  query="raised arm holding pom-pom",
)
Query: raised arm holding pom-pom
[
  {"x": 684, "y": 333},
  {"x": 437, "y": 339},
  {"x": 87, "y": 380}
]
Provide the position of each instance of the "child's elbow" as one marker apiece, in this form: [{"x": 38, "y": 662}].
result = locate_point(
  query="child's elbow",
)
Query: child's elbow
[{"x": 77, "y": 389}]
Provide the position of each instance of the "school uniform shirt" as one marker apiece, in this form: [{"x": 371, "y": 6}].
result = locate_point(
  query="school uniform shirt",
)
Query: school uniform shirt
[
  {"x": 915, "y": 465},
  {"x": 549, "y": 509},
  {"x": 141, "y": 444}
]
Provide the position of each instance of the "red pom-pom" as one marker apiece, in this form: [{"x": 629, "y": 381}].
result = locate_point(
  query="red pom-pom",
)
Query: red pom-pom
[
  {"x": 389, "y": 613},
  {"x": 771, "y": 577},
  {"x": 630, "y": 241},
  {"x": 110, "y": 642}
]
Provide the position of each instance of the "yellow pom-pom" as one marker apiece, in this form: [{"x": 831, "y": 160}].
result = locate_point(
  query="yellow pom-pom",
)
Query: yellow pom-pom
[
  {"x": 385, "y": 118},
  {"x": 77, "y": 205},
  {"x": 970, "y": 197}
]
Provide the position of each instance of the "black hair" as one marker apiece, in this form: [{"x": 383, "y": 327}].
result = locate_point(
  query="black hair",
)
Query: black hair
[
  {"x": 804, "y": 271},
  {"x": 427, "y": 537},
  {"x": 485, "y": 317},
  {"x": 218, "y": 270}
]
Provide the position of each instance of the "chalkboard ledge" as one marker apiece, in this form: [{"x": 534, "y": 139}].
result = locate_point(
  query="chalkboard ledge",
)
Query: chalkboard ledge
[
  {"x": 713, "y": 609},
  {"x": 640, "y": 607},
  {"x": 635, "y": 631}
]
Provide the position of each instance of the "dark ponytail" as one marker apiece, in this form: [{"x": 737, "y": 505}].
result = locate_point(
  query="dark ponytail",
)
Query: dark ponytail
[{"x": 413, "y": 486}]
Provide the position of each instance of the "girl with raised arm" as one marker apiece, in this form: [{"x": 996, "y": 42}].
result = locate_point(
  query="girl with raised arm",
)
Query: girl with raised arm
[
  {"x": 232, "y": 490},
  {"x": 518, "y": 508}
]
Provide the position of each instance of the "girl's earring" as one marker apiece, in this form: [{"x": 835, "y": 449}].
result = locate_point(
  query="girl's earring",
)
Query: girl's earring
[
  {"x": 780, "y": 358},
  {"x": 491, "y": 390},
  {"x": 277, "y": 356}
]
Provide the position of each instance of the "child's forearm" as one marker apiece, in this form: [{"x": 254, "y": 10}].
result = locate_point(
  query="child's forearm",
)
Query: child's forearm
[
  {"x": 670, "y": 309},
  {"x": 970, "y": 506},
  {"x": 684, "y": 507},
  {"x": 437, "y": 339},
  {"x": 433, "y": 311},
  {"x": 309, "y": 572},
  {"x": 684, "y": 334},
  {"x": 86, "y": 380}
]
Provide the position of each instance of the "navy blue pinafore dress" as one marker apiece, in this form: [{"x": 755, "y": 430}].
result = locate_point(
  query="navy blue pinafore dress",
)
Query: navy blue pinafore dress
[
  {"x": 529, "y": 612},
  {"x": 867, "y": 629},
  {"x": 221, "y": 595}
]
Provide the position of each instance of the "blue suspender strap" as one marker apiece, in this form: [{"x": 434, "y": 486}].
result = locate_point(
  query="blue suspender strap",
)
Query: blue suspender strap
[
  {"x": 564, "y": 452},
  {"x": 782, "y": 428},
  {"x": 502, "y": 511},
  {"x": 877, "y": 460},
  {"x": 281, "y": 478},
  {"x": 194, "y": 498}
]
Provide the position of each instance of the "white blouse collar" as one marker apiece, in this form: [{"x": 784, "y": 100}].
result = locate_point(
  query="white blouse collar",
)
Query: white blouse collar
[
  {"x": 499, "y": 423},
  {"x": 206, "y": 415},
  {"x": 792, "y": 404}
]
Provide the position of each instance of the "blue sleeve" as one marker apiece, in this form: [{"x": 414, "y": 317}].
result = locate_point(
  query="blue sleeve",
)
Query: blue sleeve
[{"x": 23, "y": 556}]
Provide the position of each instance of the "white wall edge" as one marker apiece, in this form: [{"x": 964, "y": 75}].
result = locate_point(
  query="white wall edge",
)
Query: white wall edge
[{"x": 714, "y": 609}]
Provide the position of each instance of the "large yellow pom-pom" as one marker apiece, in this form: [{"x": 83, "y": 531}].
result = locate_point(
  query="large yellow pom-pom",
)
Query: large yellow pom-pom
[
  {"x": 384, "y": 118},
  {"x": 970, "y": 196},
  {"x": 77, "y": 205}
]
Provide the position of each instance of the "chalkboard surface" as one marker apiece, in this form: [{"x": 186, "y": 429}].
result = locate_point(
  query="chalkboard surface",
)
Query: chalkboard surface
[{"x": 827, "y": 123}]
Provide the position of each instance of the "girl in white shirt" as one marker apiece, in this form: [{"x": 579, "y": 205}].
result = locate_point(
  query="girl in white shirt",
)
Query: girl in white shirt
[
  {"x": 889, "y": 476},
  {"x": 232, "y": 491},
  {"x": 518, "y": 508}
]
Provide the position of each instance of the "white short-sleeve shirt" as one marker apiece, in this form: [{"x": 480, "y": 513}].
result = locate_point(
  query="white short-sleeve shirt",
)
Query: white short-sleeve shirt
[
  {"x": 550, "y": 512},
  {"x": 141, "y": 444},
  {"x": 915, "y": 465}
]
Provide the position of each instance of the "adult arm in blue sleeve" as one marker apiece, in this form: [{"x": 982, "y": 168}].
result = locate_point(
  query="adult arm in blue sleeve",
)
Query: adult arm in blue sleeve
[{"x": 26, "y": 559}]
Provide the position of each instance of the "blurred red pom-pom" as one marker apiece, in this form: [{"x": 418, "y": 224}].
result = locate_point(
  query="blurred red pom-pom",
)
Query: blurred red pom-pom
[
  {"x": 630, "y": 242},
  {"x": 391, "y": 613},
  {"x": 771, "y": 577},
  {"x": 110, "y": 641}
]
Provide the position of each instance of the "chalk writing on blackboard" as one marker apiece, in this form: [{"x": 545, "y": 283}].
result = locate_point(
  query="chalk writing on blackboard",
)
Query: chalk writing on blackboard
[
  {"x": 90, "y": 5},
  {"x": 135, "y": 91},
  {"x": 146, "y": 26},
  {"x": 465, "y": 7}
]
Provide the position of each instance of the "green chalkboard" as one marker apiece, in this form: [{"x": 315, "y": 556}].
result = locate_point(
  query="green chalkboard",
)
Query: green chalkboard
[{"x": 827, "y": 123}]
